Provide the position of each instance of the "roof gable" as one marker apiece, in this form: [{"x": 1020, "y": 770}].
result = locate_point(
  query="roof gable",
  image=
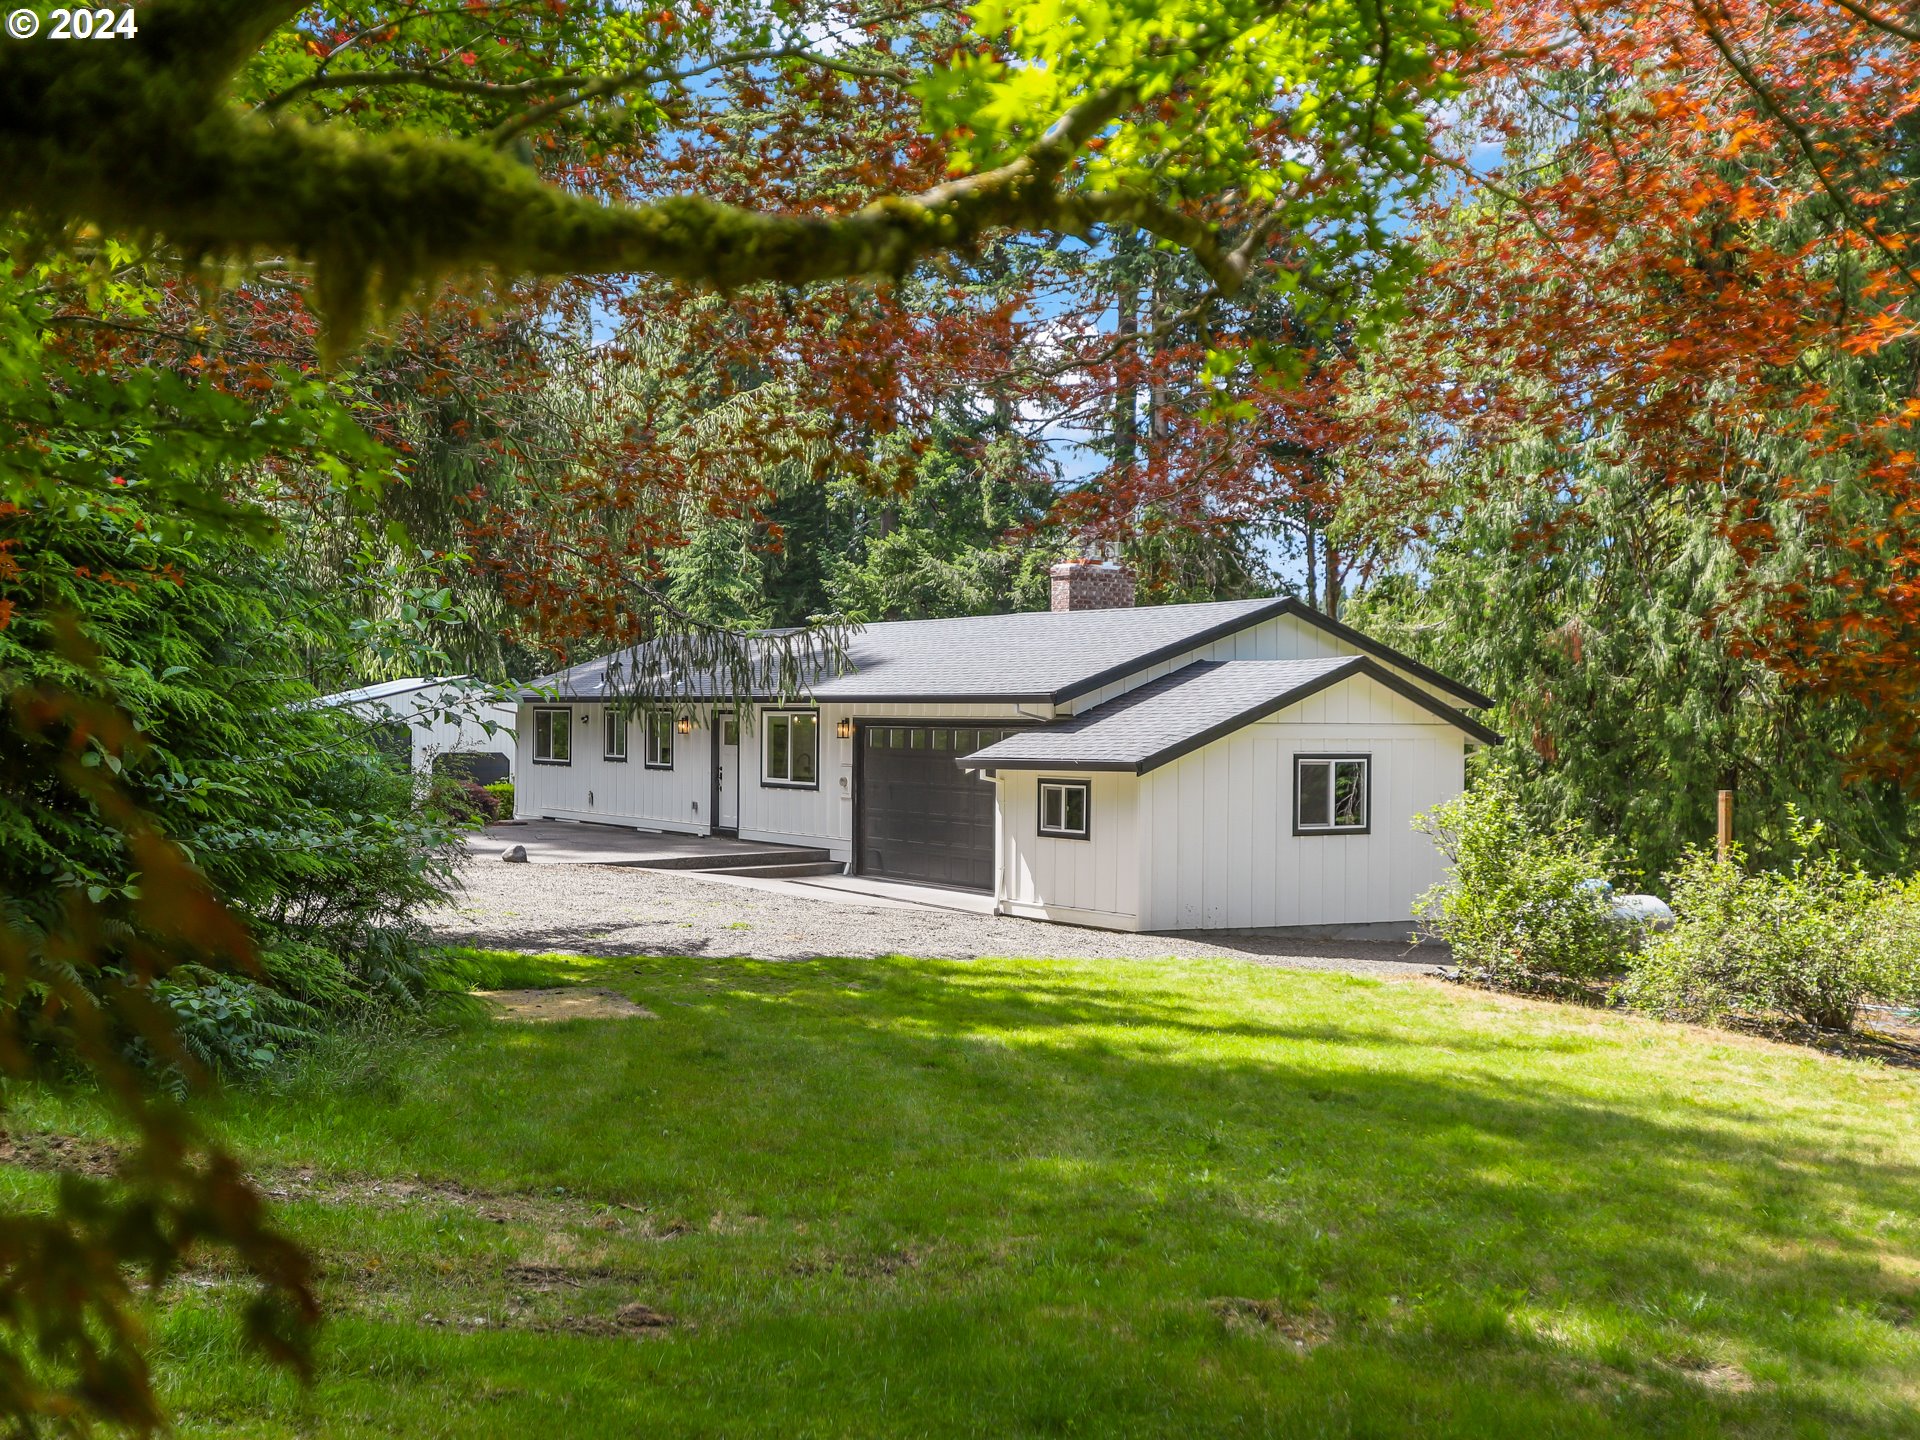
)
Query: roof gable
[
  {"x": 1159, "y": 722},
  {"x": 1367, "y": 645}
]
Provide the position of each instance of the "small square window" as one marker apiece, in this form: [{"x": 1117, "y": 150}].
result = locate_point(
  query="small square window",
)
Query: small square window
[
  {"x": 1065, "y": 809},
  {"x": 616, "y": 734},
  {"x": 553, "y": 737},
  {"x": 1331, "y": 794}
]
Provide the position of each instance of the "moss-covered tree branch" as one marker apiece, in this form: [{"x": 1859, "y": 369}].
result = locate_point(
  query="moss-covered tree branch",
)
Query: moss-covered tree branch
[{"x": 143, "y": 137}]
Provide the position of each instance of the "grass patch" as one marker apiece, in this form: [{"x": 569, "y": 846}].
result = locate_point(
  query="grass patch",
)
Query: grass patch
[
  {"x": 914, "y": 1198},
  {"x": 464, "y": 968}
]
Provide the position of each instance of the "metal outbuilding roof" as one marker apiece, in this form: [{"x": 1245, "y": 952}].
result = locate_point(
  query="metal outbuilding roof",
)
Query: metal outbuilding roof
[
  {"x": 384, "y": 690},
  {"x": 1197, "y": 704}
]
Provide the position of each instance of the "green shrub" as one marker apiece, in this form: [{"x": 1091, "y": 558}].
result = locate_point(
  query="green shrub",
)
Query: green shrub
[
  {"x": 323, "y": 850},
  {"x": 502, "y": 790},
  {"x": 463, "y": 802},
  {"x": 1519, "y": 907},
  {"x": 1811, "y": 943},
  {"x": 1897, "y": 958},
  {"x": 229, "y": 1024}
]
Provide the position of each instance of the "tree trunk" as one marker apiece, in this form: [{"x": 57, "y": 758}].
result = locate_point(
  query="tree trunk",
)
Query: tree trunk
[
  {"x": 1157, "y": 426},
  {"x": 1126, "y": 432}
]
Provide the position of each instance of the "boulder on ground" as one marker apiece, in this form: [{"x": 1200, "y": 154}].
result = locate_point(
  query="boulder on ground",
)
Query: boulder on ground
[{"x": 514, "y": 854}]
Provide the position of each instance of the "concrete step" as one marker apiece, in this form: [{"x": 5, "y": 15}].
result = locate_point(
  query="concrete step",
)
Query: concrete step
[
  {"x": 796, "y": 871},
  {"x": 738, "y": 860}
]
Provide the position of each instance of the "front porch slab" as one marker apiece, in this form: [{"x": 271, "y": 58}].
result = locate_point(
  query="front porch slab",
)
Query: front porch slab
[{"x": 579, "y": 842}]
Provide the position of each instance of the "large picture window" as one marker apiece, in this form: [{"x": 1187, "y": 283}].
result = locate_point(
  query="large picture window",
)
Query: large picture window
[
  {"x": 616, "y": 736},
  {"x": 659, "y": 740},
  {"x": 1065, "y": 809},
  {"x": 791, "y": 749},
  {"x": 1330, "y": 794},
  {"x": 553, "y": 737}
]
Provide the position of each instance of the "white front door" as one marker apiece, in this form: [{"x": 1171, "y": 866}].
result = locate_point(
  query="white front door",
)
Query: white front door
[{"x": 727, "y": 773}]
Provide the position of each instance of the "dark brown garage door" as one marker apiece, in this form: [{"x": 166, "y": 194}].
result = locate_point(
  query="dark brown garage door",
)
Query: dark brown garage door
[{"x": 921, "y": 816}]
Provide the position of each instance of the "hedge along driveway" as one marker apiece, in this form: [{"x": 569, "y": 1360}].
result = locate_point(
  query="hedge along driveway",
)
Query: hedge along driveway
[{"x": 1124, "y": 1198}]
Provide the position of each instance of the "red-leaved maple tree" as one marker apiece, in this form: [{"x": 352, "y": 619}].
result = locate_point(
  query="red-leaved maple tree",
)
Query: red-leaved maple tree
[{"x": 1693, "y": 261}]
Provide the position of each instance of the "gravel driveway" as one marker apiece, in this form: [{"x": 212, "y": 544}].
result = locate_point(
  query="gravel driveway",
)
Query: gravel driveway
[{"x": 608, "y": 910}]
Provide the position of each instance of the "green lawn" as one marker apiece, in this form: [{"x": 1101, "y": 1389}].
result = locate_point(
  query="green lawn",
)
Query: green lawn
[{"x": 922, "y": 1198}]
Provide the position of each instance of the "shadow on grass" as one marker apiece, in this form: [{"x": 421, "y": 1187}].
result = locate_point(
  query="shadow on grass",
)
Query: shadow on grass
[
  {"x": 1485, "y": 1207},
  {"x": 464, "y": 967}
]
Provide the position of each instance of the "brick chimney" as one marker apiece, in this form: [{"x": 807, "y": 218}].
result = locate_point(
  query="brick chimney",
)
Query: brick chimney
[{"x": 1088, "y": 585}]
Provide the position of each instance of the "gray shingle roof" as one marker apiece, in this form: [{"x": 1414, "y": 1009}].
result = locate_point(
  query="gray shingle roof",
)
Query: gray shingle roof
[
  {"x": 1197, "y": 704},
  {"x": 1044, "y": 656}
]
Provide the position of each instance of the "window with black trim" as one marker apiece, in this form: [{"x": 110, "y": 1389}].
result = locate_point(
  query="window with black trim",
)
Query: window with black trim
[
  {"x": 1066, "y": 809},
  {"x": 553, "y": 737},
  {"x": 790, "y": 751},
  {"x": 1330, "y": 794},
  {"x": 615, "y": 747},
  {"x": 659, "y": 754}
]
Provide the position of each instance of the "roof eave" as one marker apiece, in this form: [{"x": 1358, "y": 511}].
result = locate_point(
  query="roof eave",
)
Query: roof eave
[
  {"x": 1253, "y": 714},
  {"x": 967, "y": 762},
  {"x": 531, "y": 697},
  {"x": 1359, "y": 665}
]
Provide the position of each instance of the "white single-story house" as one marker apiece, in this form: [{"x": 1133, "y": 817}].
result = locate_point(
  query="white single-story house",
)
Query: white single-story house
[
  {"x": 436, "y": 723},
  {"x": 1243, "y": 764}
]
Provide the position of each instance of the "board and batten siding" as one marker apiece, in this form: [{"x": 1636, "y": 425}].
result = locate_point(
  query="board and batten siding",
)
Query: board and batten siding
[
  {"x": 1095, "y": 881},
  {"x": 824, "y": 817},
  {"x": 1216, "y": 826},
  {"x": 1284, "y": 637},
  {"x": 614, "y": 792},
  {"x": 627, "y": 793}
]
